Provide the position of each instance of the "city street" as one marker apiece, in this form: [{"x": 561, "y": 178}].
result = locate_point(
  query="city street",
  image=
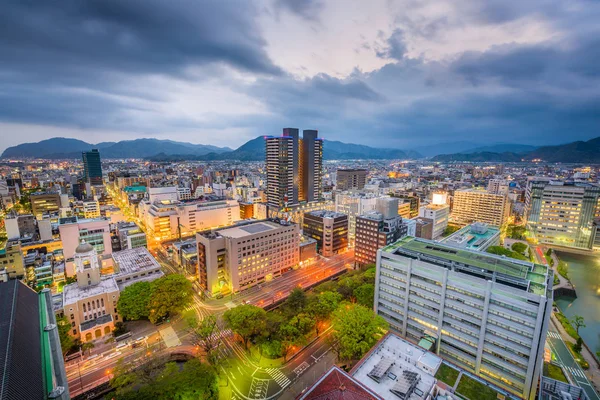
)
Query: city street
[{"x": 565, "y": 358}]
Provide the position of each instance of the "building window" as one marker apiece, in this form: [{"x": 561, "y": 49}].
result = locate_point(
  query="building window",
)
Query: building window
[{"x": 72, "y": 316}]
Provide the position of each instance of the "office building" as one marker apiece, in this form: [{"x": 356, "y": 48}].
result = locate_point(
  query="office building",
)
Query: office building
[
  {"x": 438, "y": 214},
  {"x": 478, "y": 205},
  {"x": 498, "y": 186},
  {"x": 92, "y": 167},
  {"x": 351, "y": 179},
  {"x": 487, "y": 314},
  {"x": 353, "y": 205},
  {"x": 44, "y": 202},
  {"x": 239, "y": 257},
  {"x": 412, "y": 199},
  {"x": 30, "y": 355},
  {"x": 424, "y": 228},
  {"x": 374, "y": 231},
  {"x": 329, "y": 229},
  {"x": 19, "y": 225},
  {"x": 95, "y": 232},
  {"x": 199, "y": 216},
  {"x": 166, "y": 193},
  {"x": 477, "y": 236},
  {"x": 562, "y": 213},
  {"x": 404, "y": 208},
  {"x": 294, "y": 168},
  {"x": 130, "y": 236}
]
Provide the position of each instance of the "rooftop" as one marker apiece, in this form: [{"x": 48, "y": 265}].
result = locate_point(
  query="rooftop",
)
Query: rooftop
[
  {"x": 247, "y": 230},
  {"x": 395, "y": 368},
  {"x": 472, "y": 237},
  {"x": 73, "y": 293},
  {"x": 134, "y": 260},
  {"x": 326, "y": 214},
  {"x": 336, "y": 384},
  {"x": 535, "y": 274}
]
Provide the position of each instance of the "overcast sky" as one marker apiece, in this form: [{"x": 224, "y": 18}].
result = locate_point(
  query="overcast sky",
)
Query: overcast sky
[{"x": 378, "y": 72}]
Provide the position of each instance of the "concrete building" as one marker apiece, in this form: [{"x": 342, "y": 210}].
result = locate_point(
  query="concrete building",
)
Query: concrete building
[
  {"x": 95, "y": 232},
  {"x": 424, "y": 228},
  {"x": 478, "y": 205},
  {"x": 562, "y": 213},
  {"x": 294, "y": 168},
  {"x": 487, "y": 314},
  {"x": 329, "y": 229},
  {"x": 498, "y": 186},
  {"x": 204, "y": 215},
  {"x": 92, "y": 167},
  {"x": 90, "y": 304},
  {"x": 351, "y": 179},
  {"x": 438, "y": 214},
  {"x": 42, "y": 203},
  {"x": 19, "y": 225},
  {"x": 31, "y": 356},
  {"x": 12, "y": 262},
  {"x": 237, "y": 258},
  {"x": 159, "y": 194},
  {"x": 130, "y": 236},
  {"x": 91, "y": 209},
  {"x": 413, "y": 200},
  {"x": 353, "y": 205},
  {"x": 477, "y": 236},
  {"x": 374, "y": 231}
]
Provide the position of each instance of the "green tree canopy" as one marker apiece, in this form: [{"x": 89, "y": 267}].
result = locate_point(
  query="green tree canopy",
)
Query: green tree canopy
[
  {"x": 501, "y": 251},
  {"x": 246, "y": 320},
  {"x": 519, "y": 247},
  {"x": 134, "y": 300},
  {"x": 67, "y": 342},
  {"x": 170, "y": 294},
  {"x": 365, "y": 295},
  {"x": 320, "y": 307},
  {"x": 356, "y": 330},
  {"x": 296, "y": 301}
]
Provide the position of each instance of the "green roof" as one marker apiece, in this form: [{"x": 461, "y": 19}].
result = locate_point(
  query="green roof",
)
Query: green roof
[
  {"x": 129, "y": 189},
  {"x": 521, "y": 269}
]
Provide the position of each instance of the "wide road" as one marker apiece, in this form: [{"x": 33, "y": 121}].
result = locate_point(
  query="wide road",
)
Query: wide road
[{"x": 565, "y": 358}]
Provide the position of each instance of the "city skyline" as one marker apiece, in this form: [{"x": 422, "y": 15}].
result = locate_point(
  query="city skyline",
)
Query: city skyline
[{"x": 221, "y": 74}]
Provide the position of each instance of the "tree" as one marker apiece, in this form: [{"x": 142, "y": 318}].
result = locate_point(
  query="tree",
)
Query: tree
[
  {"x": 321, "y": 307},
  {"x": 87, "y": 346},
  {"x": 246, "y": 320},
  {"x": 67, "y": 342},
  {"x": 519, "y": 247},
  {"x": 170, "y": 294},
  {"x": 355, "y": 330},
  {"x": 296, "y": 301},
  {"x": 204, "y": 334},
  {"x": 120, "y": 329},
  {"x": 579, "y": 322},
  {"x": 133, "y": 301},
  {"x": 365, "y": 295},
  {"x": 347, "y": 285},
  {"x": 303, "y": 322}
]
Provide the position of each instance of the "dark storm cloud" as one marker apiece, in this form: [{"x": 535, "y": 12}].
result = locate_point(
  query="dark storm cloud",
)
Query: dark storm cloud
[{"x": 134, "y": 36}]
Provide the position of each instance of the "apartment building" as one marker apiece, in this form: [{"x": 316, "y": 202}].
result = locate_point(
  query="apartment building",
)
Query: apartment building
[
  {"x": 12, "y": 263},
  {"x": 329, "y": 229},
  {"x": 353, "y": 205},
  {"x": 486, "y": 314},
  {"x": 478, "y": 205},
  {"x": 239, "y": 257},
  {"x": 562, "y": 213}
]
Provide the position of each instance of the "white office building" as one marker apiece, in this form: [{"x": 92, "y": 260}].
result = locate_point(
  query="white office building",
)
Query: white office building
[{"x": 486, "y": 314}]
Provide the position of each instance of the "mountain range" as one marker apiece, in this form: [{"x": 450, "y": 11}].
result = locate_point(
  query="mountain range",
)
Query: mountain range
[
  {"x": 168, "y": 150},
  {"x": 575, "y": 152}
]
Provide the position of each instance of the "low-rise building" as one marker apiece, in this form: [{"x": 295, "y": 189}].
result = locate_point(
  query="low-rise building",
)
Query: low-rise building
[
  {"x": 12, "y": 261},
  {"x": 477, "y": 236}
]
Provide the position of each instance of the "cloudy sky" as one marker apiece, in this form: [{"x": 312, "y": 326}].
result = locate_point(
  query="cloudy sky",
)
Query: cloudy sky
[{"x": 378, "y": 72}]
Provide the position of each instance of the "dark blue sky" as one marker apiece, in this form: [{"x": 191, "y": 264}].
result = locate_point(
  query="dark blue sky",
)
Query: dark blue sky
[{"x": 380, "y": 72}]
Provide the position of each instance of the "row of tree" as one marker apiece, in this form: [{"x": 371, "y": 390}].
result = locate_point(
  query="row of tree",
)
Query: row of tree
[
  {"x": 347, "y": 304},
  {"x": 156, "y": 300}
]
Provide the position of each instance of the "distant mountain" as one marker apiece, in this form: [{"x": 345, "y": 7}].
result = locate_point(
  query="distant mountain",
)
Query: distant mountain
[
  {"x": 575, "y": 152},
  {"x": 445, "y": 148},
  {"x": 139, "y": 148},
  {"x": 501, "y": 148},
  {"x": 254, "y": 150},
  {"x": 479, "y": 157}
]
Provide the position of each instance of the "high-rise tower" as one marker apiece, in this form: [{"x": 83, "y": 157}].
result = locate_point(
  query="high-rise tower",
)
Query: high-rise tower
[
  {"x": 92, "y": 167},
  {"x": 294, "y": 167}
]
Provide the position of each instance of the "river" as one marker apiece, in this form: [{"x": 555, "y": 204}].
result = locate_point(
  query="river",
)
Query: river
[{"x": 584, "y": 272}]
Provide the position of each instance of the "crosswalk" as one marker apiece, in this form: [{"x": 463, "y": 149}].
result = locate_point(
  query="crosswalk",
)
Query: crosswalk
[
  {"x": 575, "y": 372},
  {"x": 279, "y": 377},
  {"x": 221, "y": 334},
  {"x": 554, "y": 335}
]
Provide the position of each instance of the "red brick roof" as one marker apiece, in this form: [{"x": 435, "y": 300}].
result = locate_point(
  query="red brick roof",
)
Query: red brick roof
[{"x": 338, "y": 385}]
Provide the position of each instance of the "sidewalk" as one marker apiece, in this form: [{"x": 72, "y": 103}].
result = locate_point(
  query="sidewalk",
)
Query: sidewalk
[{"x": 593, "y": 373}]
